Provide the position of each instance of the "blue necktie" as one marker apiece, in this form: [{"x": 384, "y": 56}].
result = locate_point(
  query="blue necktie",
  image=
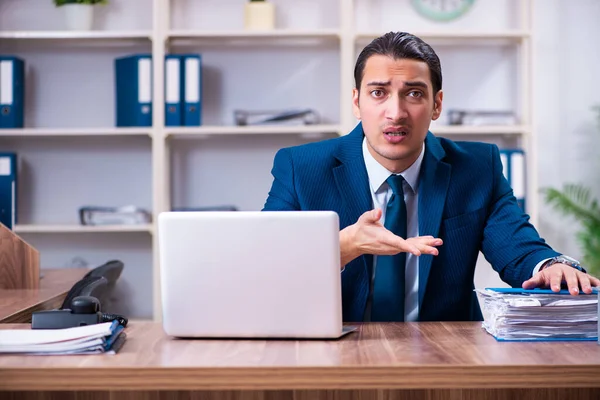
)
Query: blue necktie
[{"x": 388, "y": 286}]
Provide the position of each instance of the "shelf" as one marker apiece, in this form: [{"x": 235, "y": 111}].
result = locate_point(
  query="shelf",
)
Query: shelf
[
  {"x": 202, "y": 131},
  {"x": 205, "y": 131},
  {"x": 242, "y": 34},
  {"x": 50, "y": 132},
  {"x": 76, "y": 35},
  {"x": 457, "y": 37},
  {"x": 480, "y": 130},
  {"x": 82, "y": 228},
  {"x": 242, "y": 37},
  {"x": 76, "y": 39}
]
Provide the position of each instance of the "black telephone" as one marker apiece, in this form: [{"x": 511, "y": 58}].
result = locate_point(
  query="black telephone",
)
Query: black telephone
[
  {"x": 84, "y": 310},
  {"x": 79, "y": 308}
]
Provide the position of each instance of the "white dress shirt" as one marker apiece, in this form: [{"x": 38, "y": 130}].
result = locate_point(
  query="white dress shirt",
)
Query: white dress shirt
[{"x": 380, "y": 194}]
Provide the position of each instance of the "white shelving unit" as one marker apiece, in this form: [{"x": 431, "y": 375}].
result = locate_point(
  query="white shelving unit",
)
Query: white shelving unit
[
  {"x": 517, "y": 130},
  {"x": 253, "y": 130},
  {"x": 308, "y": 60},
  {"x": 243, "y": 34},
  {"x": 76, "y": 35},
  {"x": 149, "y": 228},
  {"x": 55, "y": 132}
]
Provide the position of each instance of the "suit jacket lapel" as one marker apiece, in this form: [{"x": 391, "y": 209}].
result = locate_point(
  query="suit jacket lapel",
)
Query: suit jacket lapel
[
  {"x": 352, "y": 182},
  {"x": 351, "y": 176},
  {"x": 433, "y": 187}
]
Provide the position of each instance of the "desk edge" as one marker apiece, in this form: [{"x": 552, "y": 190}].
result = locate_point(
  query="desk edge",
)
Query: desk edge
[{"x": 305, "y": 378}]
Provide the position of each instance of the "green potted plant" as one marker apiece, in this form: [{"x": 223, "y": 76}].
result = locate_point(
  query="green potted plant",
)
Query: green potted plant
[
  {"x": 259, "y": 15},
  {"x": 79, "y": 14},
  {"x": 576, "y": 200}
]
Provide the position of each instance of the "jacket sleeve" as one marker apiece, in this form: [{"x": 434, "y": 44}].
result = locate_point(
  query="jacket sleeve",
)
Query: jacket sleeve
[
  {"x": 282, "y": 196},
  {"x": 510, "y": 242}
]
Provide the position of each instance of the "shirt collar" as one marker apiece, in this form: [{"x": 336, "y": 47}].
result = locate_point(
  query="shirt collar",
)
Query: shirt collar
[{"x": 378, "y": 174}]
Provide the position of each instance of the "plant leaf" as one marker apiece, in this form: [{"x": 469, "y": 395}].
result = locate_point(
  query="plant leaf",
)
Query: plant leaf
[{"x": 575, "y": 200}]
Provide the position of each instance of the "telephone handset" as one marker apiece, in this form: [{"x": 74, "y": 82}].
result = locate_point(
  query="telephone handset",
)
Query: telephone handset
[
  {"x": 84, "y": 310},
  {"x": 82, "y": 303}
]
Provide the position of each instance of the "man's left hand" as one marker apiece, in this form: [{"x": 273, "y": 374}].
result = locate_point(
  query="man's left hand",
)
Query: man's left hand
[{"x": 554, "y": 276}]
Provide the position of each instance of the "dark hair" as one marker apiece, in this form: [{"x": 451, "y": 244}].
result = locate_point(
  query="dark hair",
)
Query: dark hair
[{"x": 400, "y": 45}]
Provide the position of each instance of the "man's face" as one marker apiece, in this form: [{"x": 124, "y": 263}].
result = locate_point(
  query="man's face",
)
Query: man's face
[{"x": 396, "y": 106}]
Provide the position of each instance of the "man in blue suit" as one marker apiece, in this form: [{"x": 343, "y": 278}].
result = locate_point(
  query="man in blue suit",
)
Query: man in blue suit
[{"x": 415, "y": 210}]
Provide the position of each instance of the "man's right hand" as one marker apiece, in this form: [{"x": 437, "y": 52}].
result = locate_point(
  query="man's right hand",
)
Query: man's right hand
[{"x": 369, "y": 236}]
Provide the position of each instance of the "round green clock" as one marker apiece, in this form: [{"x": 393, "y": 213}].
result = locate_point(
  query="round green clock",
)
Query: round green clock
[{"x": 442, "y": 10}]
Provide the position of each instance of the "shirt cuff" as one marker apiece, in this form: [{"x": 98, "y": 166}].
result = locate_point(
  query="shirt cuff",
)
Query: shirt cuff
[{"x": 539, "y": 265}]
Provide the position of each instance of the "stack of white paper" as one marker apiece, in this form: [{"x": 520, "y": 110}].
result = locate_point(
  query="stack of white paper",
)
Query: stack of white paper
[
  {"x": 107, "y": 337},
  {"x": 538, "y": 314}
]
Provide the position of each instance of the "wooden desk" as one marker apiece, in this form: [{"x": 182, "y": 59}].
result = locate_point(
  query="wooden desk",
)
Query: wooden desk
[
  {"x": 18, "y": 304},
  {"x": 380, "y": 361}
]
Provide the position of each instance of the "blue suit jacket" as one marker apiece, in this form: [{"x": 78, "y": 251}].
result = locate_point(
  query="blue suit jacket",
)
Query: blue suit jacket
[{"x": 463, "y": 199}]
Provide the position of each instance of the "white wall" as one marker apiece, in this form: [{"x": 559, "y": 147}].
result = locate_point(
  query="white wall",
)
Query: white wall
[
  {"x": 567, "y": 85},
  {"x": 222, "y": 15},
  {"x": 42, "y": 15},
  {"x": 394, "y": 15},
  {"x": 225, "y": 171}
]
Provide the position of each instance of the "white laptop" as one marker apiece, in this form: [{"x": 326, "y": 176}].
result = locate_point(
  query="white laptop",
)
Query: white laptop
[{"x": 251, "y": 274}]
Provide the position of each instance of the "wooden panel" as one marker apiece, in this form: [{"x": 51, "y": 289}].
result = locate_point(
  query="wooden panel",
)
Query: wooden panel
[
  {"x": 429, "y": 355},
  {"x": 17, "y": 305},
  {"x": 502, "y": 394},
  {"x": 50, "y": 378},
  {"x": 19, "y": 262}
]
